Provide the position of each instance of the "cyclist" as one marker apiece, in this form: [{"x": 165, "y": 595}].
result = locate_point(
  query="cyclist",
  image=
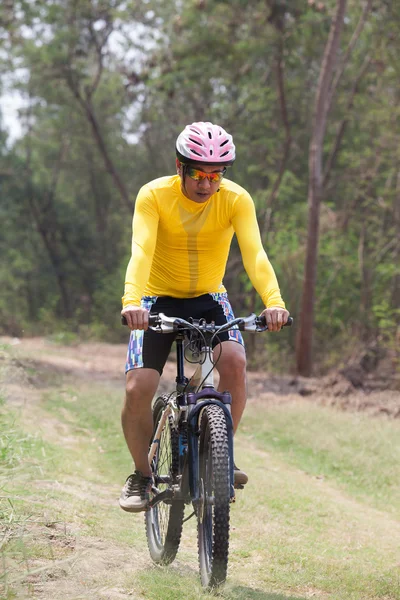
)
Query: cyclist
[{"x": 182, "y": 229}]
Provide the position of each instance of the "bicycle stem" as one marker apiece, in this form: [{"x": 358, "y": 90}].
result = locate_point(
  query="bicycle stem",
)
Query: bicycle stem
[{"x": 204, "y": 373}]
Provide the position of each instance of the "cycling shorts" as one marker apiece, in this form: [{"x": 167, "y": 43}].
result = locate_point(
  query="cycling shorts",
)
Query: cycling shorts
[{"x": 150, "y": 350}]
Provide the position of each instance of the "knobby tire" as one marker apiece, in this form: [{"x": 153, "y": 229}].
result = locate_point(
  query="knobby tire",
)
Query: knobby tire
[{"x": 213, "y": 513}]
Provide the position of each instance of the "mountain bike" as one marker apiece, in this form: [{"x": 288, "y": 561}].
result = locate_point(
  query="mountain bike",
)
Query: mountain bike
[{"x": 191, "y": 451}]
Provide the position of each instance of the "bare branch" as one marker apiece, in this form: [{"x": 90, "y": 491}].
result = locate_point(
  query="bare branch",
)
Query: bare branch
[
  {"x": 354, "y": 39},
  {"x": 322, "y": 106},
  {"x": 288, "y": 140},
  {"x": 99, "y": 51},
  {"x": 381, "y": 252},
  {"x": 89, "y": 112},
  {"x": 342, "y": 127},
  {"x": 111, "y": 169},
  {"x": 56, "y": 174}
]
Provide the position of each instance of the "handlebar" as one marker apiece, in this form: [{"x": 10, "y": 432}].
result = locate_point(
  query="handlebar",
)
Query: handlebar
[{"x": 163, "y": 324}]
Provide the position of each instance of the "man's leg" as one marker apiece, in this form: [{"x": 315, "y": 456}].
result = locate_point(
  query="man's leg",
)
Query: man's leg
[
  {"x": 137, "y": 419},
  {"x": 146, "y": 357},
  {"x": 137, "y": 423},
  {"x": 232, "y": 376}
]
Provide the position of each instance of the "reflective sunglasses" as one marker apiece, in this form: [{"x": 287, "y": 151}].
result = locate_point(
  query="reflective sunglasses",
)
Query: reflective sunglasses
[{"x": 200, "y": 175}]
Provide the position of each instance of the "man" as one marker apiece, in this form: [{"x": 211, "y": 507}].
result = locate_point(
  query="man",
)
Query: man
[{"x": 182, "y": 229}]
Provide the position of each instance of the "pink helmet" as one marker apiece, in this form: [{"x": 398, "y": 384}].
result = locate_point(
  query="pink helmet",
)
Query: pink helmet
[{"x": 205, "y": 143}]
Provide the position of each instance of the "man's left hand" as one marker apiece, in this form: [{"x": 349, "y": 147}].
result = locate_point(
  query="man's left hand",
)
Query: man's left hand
[{"x": 276, "y": 317}]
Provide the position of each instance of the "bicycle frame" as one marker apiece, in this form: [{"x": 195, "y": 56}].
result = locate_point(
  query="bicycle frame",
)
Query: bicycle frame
[{"x": 190, "y": 405}]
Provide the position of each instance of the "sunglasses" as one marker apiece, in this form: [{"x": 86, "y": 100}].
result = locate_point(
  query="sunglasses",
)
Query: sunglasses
[{"x": 200, "y": 175}]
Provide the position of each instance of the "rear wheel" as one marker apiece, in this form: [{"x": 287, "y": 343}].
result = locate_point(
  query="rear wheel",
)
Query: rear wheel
[
  {"x": 213, "y": 511},
  {"x": 164, "y": 521}
]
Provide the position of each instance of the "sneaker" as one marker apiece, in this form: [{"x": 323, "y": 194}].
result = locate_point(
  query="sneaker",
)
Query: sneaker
[
  {"x": 136, "y": 492},
  {"x": 240, "y": 477}
]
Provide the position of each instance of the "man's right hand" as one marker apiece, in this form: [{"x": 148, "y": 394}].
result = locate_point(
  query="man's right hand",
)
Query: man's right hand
[{"x": 136, "y": 316}]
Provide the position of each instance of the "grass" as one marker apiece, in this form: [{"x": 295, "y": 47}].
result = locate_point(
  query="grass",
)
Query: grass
[
  {"x": 311, "y": 529},
  {"x": 22, "y": 459},
  {"x": 319, "y": 517},
  {"x": 169, "y": 584},
  {"x": 356, "y": 452}
]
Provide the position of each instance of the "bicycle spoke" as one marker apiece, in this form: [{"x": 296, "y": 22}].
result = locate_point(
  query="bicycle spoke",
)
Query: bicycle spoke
[{"x": 164, "y": 520}]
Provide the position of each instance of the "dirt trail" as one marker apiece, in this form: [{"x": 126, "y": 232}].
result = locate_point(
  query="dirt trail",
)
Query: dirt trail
[
  {"x": 105, "y": 362},
  {"x": 82, "y": 560},
  {"x": 75, "y": 563}
]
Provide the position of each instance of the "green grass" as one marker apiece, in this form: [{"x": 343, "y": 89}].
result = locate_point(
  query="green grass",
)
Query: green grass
[
  {"x": 359, "y": 453},
  {"x": 93, "y": 416},
  {"x": 170, "y": 584},
  {"x": 325, "y": 483},
  {"x": 23, "y": 458},
  {"x": 319, "y": 517},
  {"x": 310, "y": 468}
]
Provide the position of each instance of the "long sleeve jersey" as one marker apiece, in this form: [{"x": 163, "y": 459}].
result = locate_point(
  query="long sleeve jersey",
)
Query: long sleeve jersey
[{"x": 180, "y": 247}]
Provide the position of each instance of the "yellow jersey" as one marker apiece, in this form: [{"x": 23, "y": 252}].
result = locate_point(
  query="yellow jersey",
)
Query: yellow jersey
[{"x": 180, "y": 247}]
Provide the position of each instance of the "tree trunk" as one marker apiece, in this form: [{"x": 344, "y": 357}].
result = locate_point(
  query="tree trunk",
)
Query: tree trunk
[{"x": 304, "y": 340}]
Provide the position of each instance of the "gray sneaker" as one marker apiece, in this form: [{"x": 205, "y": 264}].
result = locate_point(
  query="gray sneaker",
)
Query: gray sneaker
[
  {"x": 240, "y": 477},
  {"x": 136, "y": 492}
]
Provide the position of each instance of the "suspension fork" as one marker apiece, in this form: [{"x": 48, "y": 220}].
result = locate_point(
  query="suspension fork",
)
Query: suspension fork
[{"x": 207, "y": 397}]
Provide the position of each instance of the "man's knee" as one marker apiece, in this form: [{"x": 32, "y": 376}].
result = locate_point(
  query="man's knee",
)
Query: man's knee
[
  {"x": 233, "y": 360},
  {"x": 141, "y": 385}
]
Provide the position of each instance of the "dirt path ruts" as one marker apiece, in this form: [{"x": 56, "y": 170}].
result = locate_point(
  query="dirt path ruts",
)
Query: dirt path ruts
[{"x": 84, "y": 558}]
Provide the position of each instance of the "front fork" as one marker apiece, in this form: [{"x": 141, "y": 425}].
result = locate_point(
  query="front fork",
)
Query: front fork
[{"x": 197, "y": 402}]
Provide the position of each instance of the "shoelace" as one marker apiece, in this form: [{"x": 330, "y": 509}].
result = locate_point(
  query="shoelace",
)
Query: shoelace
[{"x": 137, "y": 484}]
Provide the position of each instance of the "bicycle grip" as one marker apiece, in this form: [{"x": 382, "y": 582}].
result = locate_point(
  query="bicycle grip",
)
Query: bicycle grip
[
  {"x": 263, "y": 321},
  {"x": 153, "y": 320}
]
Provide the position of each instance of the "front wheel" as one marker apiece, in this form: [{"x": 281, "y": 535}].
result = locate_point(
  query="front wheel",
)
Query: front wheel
[
  {"x": 164, "y": 521},
  {"x": 213, "y": 510}
]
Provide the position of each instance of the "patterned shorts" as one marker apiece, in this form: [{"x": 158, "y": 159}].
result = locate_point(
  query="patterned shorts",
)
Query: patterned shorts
[{"x": 150, "y": 349}]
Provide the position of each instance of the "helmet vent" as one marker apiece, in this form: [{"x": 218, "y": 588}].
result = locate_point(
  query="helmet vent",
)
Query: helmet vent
[
  {"x": 209, "y": 135},
  {"x": 223, "y": 143},
  {"x": 195, "y": 142}
]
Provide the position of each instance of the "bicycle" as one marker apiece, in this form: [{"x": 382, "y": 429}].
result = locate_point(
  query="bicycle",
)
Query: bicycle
[{"x": 191, "y": 451}]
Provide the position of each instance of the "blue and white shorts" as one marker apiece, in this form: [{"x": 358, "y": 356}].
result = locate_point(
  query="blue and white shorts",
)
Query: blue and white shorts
[{"x": 150, "y": 349}]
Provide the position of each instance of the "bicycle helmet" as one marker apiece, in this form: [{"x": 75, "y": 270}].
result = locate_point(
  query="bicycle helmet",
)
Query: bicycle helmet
[{"x": 205, "y": 143}]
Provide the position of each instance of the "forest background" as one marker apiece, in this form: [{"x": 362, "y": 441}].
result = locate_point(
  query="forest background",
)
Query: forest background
[{"x": 107, "y": 86}]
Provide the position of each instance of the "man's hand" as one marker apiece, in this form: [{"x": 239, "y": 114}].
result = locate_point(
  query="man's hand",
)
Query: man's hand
[
  {"x": 276, "y": 317},
  {"x": 136, "y": 316}
]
